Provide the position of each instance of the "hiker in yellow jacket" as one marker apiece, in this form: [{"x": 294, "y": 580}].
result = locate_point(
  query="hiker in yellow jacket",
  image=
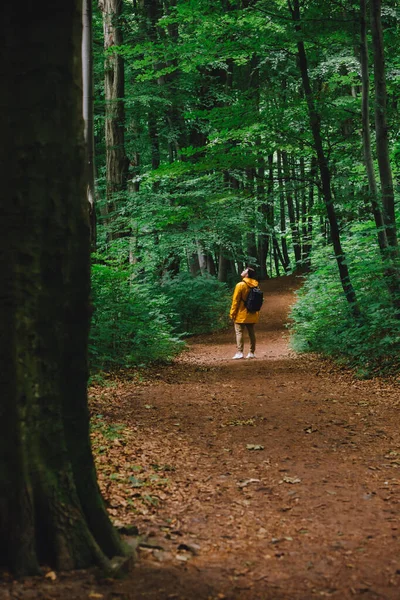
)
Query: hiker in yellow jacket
[{"x": 241, "y": 317}]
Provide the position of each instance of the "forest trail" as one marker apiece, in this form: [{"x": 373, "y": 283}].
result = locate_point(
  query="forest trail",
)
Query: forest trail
[{"x": 268, "y": 479}]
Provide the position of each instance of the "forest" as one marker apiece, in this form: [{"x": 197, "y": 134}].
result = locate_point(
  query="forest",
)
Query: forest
[
  {"x": 152, "y": 150},
  {"x": 229, "y": 133}
]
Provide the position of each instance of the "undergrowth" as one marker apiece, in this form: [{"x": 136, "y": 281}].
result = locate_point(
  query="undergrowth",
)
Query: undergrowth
[
  {"x": 322, "y": 321},
  {"x": 136, "y": 322}
]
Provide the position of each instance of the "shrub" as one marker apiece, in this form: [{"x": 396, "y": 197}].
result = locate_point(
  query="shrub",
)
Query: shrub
[
  {"x": 130, "y": 324},
  {"x": 200, "y": 304},
  {"x": 321, "y": 320}
]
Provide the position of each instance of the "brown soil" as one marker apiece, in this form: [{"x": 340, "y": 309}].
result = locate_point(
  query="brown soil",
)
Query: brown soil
[{"x": 268, "y": 479}]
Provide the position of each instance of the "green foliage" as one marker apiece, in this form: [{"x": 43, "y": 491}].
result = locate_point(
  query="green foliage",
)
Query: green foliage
[
  {"x": 322, "y": 321},
  {"x": 130, "y": 323},
  {"x": 135, "y": 322},
  {"x": 201, "y": 304},
  {"x": 212, "y": 97}
]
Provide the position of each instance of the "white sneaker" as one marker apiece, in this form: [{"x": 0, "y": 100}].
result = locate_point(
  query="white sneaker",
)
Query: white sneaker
[
  {"x": 251, "y": 355},
  {"x": 238, "y": 355}
]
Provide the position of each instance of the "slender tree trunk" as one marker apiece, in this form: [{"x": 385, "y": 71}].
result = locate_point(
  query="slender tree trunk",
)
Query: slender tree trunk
[
  {"x": 223, "y": 264},
  {"x": 50, "y": 506},
  {"x": 296, "y": 196},
  {"x": 366, "y": 132},
  {"x": 114, "y": 89},
  {"x": 386, "y": 222},
  {"x": 303, "y": 206},
  {"x": 291, "y": 210},
  {"x": 267, "y": 210},
  {"x": 202, "y": 257},
  {"x": 282, "y": 214},
  {"x": 325, "y": 174},
  {"x": 251, "y": 233},
  {"x": 193, "y": 263},
  {"x": 276, "y": 255},
  {"x": 211, "y": 265},
  {"x": 262, "y": 250},
  {"x": 381, "y": 127},
  {"x": 307, "y": 242}
]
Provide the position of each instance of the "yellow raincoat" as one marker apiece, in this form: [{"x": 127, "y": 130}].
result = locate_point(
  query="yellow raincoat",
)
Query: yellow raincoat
[{"x": 238, "y": 312}]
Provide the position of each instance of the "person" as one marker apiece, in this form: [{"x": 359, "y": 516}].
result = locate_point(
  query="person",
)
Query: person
[{"x": 242, "y": 318}]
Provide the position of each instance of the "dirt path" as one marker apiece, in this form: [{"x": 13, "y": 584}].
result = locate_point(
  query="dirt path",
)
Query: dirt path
[{"x": 272, "y": 479}]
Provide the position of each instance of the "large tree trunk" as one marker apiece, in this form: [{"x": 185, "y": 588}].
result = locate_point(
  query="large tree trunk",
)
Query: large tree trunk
[
  {"x": 325, "y": 173},
  {"x": 50, "y": 505},
  {"x": 381, "y": 127},
  {"x": 87, "y": 80}
]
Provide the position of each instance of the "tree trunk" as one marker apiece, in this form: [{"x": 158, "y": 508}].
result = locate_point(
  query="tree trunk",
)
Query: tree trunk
[
  {"x": 87, "y": 80},
  {"x": 276, "y": 255},
  {"x": 381, "y": 127},
  {"x": 291, "y": 210},
  {"x": 303, "y": 206},
  {"x": 211, "y": 265},
  {"x": 50, "y": 506},
  {"x": 193, "y": 263},
  {"x": 263, "y": 239},
  {"x": 202, "y": 257},
  {"x": 325, "y": 174},
  {"x": 114, "y": 90},
  {"x": 223, "y": 265},
  {"x": 282, "y": 216},
  {"x": 251, "y": 237},
  {"x": 366, "y": 132},
  {"x": 308, "y": 237}
]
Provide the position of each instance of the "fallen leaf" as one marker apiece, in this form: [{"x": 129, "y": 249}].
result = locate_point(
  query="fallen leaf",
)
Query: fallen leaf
[
  {"x": 310, "y": 429},
  {"x": 51, "y": 575},
  {"x": 241, "y": 422},
  {"x": 247, "y": 482},
  {"x": 292, "y": 480},
  {"x": 181, "y": 557},
  {"x": 193, "y": 548},
  {"x": 254, "y": 447}
]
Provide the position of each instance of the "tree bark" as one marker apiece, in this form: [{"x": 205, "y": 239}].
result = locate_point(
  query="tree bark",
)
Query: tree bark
[
  {"x": 291, "y": 210},
  {"x": 308, "y": 237},
  {"x": 282, "y": 215},
  {"x": 381, "y": 127},
  {"x": 223, "y": 266},
  {"x": 50, "y": 505},
  {"x": 315, "y": 123},
  {"x": 114, "y": 89},
  {"x": 366, "y": 131},
  {"x": 87, "y": 81},
  {"x": 263, "y": 239}
]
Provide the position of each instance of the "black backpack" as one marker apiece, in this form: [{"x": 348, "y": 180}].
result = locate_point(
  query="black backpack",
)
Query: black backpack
[{"x": 254, "y": 300}]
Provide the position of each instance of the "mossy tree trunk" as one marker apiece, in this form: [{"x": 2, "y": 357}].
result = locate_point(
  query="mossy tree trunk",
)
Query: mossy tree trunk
[{"x": 50, "y": 505}]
